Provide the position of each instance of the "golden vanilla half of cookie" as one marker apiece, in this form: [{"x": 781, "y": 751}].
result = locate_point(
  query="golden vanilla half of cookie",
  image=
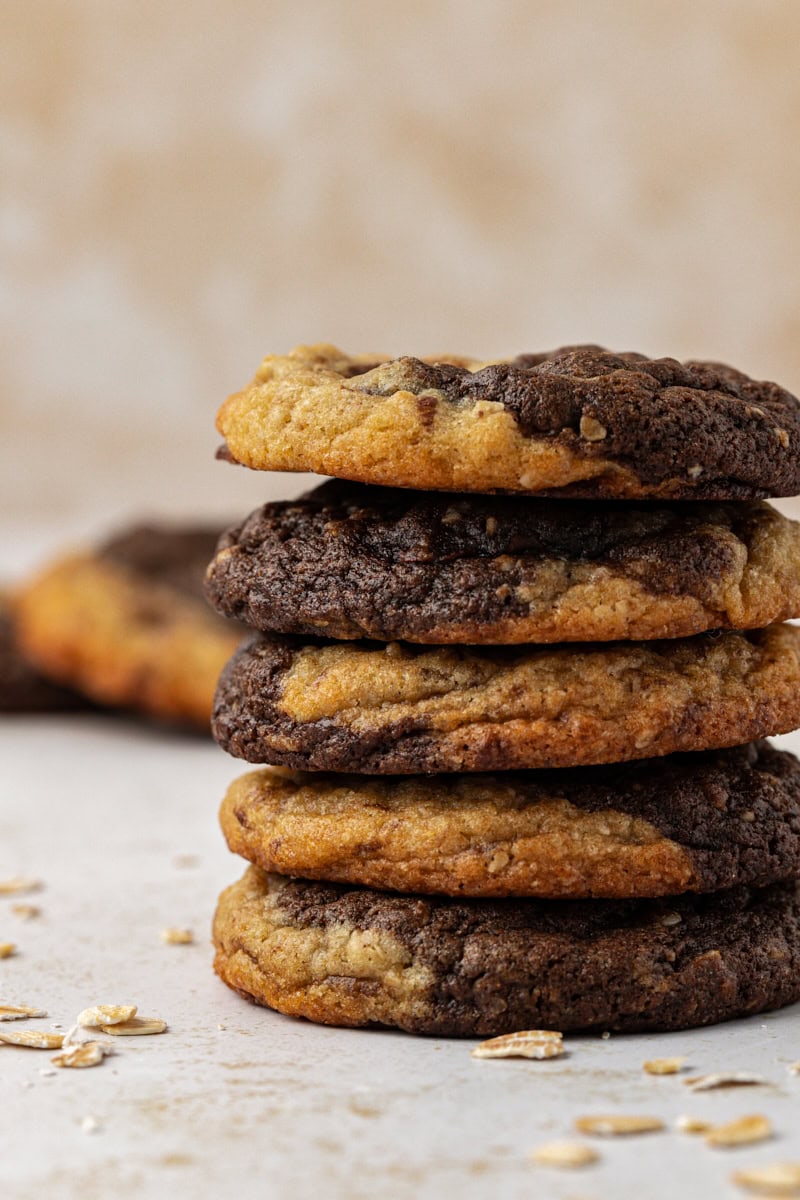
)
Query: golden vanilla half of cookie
[
  {"x": 403, "y": 709},
  {"x": 349, "y": 561},
  {"x": 127, "y": 626},
  {"x": 580, "y": 421},
  {"x": 695, "y": 822},
  {"x": 467, "y": 968}
]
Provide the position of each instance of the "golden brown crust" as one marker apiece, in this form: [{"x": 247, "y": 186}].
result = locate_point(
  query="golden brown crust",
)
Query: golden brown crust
[
  {"x": 91, "y": 624},
  {"x": 464, "y": 968},
  {"x": 581, "y": 419},
  {"x": 697, "y": 822},
  {"x": 409, "y": 710}
]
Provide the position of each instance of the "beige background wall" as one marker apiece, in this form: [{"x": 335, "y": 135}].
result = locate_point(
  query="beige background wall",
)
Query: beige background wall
[{"x": 188, "y": 186}]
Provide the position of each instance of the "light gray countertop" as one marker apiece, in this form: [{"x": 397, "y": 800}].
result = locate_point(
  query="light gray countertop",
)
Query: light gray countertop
[{"x": 102, "y": 810}]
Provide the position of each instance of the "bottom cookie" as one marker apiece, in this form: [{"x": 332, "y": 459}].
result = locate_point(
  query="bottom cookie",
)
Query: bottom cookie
[{"x": 351, "y": 956}]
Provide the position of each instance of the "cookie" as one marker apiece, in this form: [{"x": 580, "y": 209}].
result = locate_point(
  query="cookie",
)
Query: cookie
[
  {"x": 479, "y": 968},
  {"x": 403, "y": 709},
  {"x": 22, "y": 688},
  {"x": 128, "y": 625},
  {"x": 349, "y": 561},
  {"x": 658, "y": 827},
  {"x": 579, "y": 420}
]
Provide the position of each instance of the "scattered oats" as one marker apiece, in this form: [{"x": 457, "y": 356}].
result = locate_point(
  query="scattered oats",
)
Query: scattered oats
[
  {"x": 592, "y": 430},
  {"x": 13, "y": 1012},
  {"x": 7, "y": 949},
  {"x": 695, "y": 471},
  {"x": 528, "y": 1043},
  {"x": 706, "y": 1083},
  {"x": 491, "y": 525},
  {"x": 221, "y": 1026},
  {"x": 663, "y": 1066},
  {"x": 451, "y": 516},
  {"x": 794, "y": 1068},
  {"x": 741, "y": 1131},
  {"x": 91, "y": 1125},
  {"x": 90, "y": 1054},
  {"x": 26, "y": 911},
  {"x": 776, "y": 1179},
  {"x": 106, "y": 1014},
  {"x": 177, "y": 937},
  {"x": 35, "y": 1039},
  {"x": 137, "y": 1026},
  {"x": 783, "y": 437},
  {"x": 16, "y": 886},
  {"x": 614, "y": 1125},
  {"x": 565, "y": 1154},
  {"x": 498, "y": 861},
  {"x": 693, "y": 1125},
  {"x": 671, "y": 918}
]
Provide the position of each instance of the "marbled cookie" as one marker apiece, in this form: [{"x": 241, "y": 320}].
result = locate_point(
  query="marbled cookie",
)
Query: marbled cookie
[
  {"x": 127, "y": 625},
  {"x": 349, "y": 561},
  {"x": 403, "y": 709},
  {"x": 22, "y": 688},
  {"x": 658, "y": 827},
  {"x": 345, "y": 956},
  {"x": 580, "y": 420}
]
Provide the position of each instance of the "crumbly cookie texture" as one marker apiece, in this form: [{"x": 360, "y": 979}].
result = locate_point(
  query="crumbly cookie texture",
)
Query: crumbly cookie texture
[
  {"x": 128, "y": 626},
  {"x": 696, "y": 822},
  {"x": 349, "y": 561},
  {"x": 580, "y": 419},
  {"x": 407, "y": 709},
  {"x": 467, "y": 968}
]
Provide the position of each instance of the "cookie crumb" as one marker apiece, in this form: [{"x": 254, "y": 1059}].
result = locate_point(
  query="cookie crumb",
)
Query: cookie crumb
[
  {"x": 775, "y": 1179},
  {"x": 7, "y": 949},
  {"x": 27, "y": 911},
  {"x": 17, "y": 885},
  {"x": 613, "y": 1126},
  {"x": 528, "y": 1043},
  {"x": 177, "y": 937},
  {"x": 664, "y": 1066},
  {"x": 91, "y": 1124},
  {"x": 565, "y": 1154},
  {"x": 740, "y": 1132},
  {"x": 686, "y": 1124}
]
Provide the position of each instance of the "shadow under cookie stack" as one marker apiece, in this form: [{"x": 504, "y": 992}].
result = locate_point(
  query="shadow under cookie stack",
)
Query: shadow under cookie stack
[{"x": 516, "y": 676}]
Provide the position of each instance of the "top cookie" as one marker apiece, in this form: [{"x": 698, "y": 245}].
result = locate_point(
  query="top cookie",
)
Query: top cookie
[{"x": 579, "y": 421}]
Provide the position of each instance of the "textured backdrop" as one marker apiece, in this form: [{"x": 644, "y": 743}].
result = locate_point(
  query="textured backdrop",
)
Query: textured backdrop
[{"x": 186, "y": 187}]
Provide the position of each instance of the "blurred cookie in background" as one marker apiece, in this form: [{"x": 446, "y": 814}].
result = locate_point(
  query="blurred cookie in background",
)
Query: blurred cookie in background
[
  {"x": 22, "y": 688},
  {"x": 127, "y": 626}
]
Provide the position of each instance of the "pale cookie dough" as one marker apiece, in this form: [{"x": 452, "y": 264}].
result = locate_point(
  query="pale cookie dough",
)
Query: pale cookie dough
[{"x": 405, "y": 709}]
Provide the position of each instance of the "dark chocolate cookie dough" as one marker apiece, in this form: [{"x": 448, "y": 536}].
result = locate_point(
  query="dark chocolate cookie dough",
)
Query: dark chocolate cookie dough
[
  {"x": 695, "y": 822},
  {"x": 349, "y": 561},
  {"x": 464, "y": 968},
  {"x": 580, "y": 420},
  {"x": 404, "y": 709}
]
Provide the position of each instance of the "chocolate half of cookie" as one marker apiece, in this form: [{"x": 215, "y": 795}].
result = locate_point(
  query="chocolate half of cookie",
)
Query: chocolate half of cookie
[
  {"x": 695, "y": 822},
  {"x": 580, "y": 420},
  {"x": 402, "y": 709},
  {"x": 128, "y": 625},
  {"x": 344, "y": 956},
  {"x": 348, "y": 561},
  {"x": 22, "y": 688}
]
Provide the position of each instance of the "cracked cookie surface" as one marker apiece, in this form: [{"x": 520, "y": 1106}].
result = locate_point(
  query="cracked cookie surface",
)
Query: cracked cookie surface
[
  {"x": 581, "y": 420},
  {"x": 698, "y": 822},
  {"x": 127, "y": 624},
  {"x": 404, "y": 709},
  {"x": 349, "y": 561},
  {"x": 479, "y": 968}
]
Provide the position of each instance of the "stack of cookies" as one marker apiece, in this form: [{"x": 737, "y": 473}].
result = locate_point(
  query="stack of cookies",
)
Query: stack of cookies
[{"x": 514, "y": 672}]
